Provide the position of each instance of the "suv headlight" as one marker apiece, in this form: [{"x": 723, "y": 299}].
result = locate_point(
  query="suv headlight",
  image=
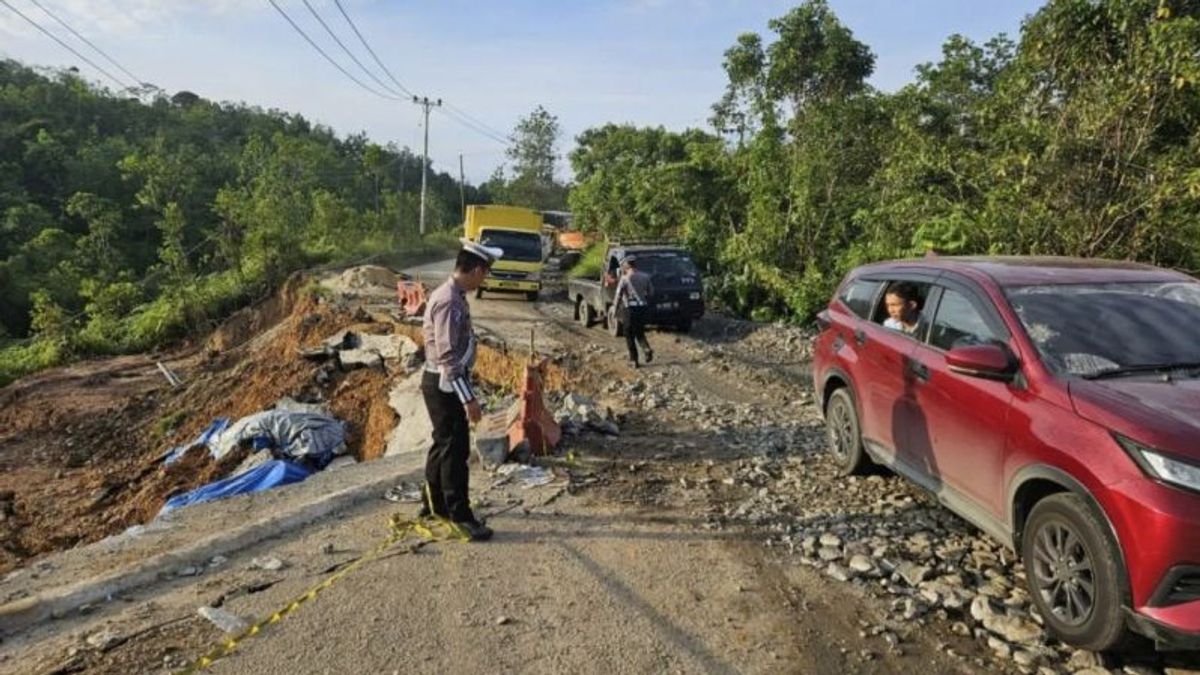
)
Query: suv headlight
[
  {"x": 694, "y": 295},
  {"x": 1158, "y": 465}
]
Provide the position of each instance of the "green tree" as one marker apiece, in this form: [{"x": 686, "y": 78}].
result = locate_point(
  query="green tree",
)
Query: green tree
[{"x": 533, "y": 153}]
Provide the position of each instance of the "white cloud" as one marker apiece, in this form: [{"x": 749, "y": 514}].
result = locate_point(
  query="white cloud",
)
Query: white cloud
[{"x": 115, "y": 18}]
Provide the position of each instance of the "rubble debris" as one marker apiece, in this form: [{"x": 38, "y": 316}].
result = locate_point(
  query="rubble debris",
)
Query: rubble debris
[
  {"x": 404, "y": 492},
  {"x": 363, "y": 280},
  {"x": 267, "y": 563},
  {"x": 577, "y": 414},
  {"x": 490, "y": 439},
  {"x": 226, "y": 622},
  {"x": 525, "y": 475},
  {"x": 354, "y": 349},
  {"x": 105, "y": 639},
  {"x": 172, "y": 378}
]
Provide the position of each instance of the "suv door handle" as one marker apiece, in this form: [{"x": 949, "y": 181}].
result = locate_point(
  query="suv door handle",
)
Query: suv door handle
[
  {"x": 860, "y": 337},
  {"x": 919, "y": 370}
]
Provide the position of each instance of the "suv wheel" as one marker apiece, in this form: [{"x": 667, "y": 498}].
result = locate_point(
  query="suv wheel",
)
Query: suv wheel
[
  {"x": 1074, "y": 573},
  {"x": 845, "y": 440}
]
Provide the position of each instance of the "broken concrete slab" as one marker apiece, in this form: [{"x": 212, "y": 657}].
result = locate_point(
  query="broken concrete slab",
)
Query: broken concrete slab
[
  {"x": 490, "y": 439},
  {"x": 414, "y": 432},
  {"x": 226, "y": 622}
]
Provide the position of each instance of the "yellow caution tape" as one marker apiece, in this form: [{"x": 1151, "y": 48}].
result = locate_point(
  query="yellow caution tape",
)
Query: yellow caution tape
[{"x": 401, "y": 528}]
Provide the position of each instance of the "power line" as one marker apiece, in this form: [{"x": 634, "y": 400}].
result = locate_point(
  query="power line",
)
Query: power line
[
  {"x": 86, "y": 41},
  {"x": 349, "y": 53},
  {"x": 66, "y": 46},
  {"x": 478, "y": 121},
  {"x": 454, "y": 113},
  {"x": 320, "y": 51},
  {"x": 473, "y": 127},
  {"x": 370, "y": 51}
]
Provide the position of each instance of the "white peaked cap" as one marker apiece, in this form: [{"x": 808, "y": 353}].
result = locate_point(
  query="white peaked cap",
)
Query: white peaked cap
[{"x": 489, "y": 254}]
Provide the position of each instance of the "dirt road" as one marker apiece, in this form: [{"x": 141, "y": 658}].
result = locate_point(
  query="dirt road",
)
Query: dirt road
[{"x": 708, "y": 535}]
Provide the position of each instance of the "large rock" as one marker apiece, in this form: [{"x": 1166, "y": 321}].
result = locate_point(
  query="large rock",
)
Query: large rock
[{"x": 414, "y": 432}]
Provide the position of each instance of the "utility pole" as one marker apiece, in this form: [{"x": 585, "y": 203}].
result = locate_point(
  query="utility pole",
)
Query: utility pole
[
  {"x": 462, "y": 189},
  {"x": 425, "y": 103}
]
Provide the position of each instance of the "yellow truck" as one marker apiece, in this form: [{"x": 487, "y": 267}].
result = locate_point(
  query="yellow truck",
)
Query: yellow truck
[{"x": 516, "y": 230}]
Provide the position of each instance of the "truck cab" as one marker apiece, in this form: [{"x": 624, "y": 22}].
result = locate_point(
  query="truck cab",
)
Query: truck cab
[{"x": 518, "y": 232}]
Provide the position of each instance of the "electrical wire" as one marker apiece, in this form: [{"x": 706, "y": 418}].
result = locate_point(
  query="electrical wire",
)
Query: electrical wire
[
  {"x": 66, "y": 46},
  {"x": 458, "y": 115},
  {"x": 86, "y": 41},
  {"x": 476, "y": 120},
  {"x": 370, "y": 51},
  {"x": 321, "y": 52},
  {"x": 470, "y": 125},
  {"x": 349, "y": 53}
]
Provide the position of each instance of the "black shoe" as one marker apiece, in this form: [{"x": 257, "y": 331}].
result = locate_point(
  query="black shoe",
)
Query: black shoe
[
  {"x": 474, "y": 530},
  {"x": 634, "y": 363},
  {"x": 649, "y": 355}
]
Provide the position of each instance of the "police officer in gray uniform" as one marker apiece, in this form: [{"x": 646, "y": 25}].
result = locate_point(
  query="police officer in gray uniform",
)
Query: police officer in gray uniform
[
  {"x": 633, "y": 294},
  {"x": 446, "y": 386}
]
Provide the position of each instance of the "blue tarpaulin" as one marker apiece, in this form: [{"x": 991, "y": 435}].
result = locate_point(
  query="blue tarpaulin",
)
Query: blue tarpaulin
[
  {"x": 265, "y": 476},
  {"x": 207, "y": 437}
]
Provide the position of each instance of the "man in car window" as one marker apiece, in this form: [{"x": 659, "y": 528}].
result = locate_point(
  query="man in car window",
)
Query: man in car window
[{"x": 903, "y": 301}]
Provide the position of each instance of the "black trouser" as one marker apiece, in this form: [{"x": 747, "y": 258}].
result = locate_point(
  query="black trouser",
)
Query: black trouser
[
  {"x": 446, "y": 465},
  {"x": 635, "y": 330}
]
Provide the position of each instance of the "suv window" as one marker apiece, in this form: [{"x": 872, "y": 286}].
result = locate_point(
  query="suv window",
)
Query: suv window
[
  {"x": 918, "y": 321},
  {"x": 958, "y": 323},
  {"x": 859, "y": 296}
]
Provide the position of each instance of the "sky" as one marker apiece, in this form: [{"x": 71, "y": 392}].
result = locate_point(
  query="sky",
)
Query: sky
[{"x": 588, "y": 62}]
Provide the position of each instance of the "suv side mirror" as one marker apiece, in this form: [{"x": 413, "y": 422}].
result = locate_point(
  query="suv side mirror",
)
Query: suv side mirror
[{"x": 990, "y": 362}]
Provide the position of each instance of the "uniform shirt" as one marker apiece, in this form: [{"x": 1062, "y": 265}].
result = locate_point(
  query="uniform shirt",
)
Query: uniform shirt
[
  {"x": 449, "y": 340},
  {"x": 635, "y": 289}
]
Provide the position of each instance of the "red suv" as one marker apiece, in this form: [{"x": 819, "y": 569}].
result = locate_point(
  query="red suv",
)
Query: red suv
[{"x": 1052, "y": 402}]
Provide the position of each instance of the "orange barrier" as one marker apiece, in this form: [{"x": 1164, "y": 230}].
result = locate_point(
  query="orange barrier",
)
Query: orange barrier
[
  {"x": 411, "y": 295},
  {"x": 534, "y": 424}
]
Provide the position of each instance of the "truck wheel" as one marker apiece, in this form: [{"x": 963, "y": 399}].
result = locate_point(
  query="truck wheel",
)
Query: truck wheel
[
  {"x": 532, "y": 296},
  {"x": 613, "y": 324},
  {"x": 684, "y": 326},
  {"x": 584, "y": 314}
]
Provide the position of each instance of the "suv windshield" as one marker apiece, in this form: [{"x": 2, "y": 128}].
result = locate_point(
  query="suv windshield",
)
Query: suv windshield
[
  {"x": 666, "y": 264},
  {"x": 1099, "y": 330},
  {"x": 517, "y": 246}
]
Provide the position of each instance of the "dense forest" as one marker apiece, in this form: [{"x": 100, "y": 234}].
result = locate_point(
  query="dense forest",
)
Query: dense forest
[
  {"x": 1081, "y": 138},
  {"x": 125, "y": 224}
]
